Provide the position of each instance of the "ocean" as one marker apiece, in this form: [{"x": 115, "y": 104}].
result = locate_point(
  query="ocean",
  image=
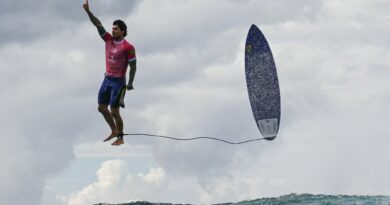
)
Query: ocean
[{"x": 296, "y": 199}]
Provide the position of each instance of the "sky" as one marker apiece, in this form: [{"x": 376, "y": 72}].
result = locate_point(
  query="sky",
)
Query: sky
[{"x": 333, "y": 62}]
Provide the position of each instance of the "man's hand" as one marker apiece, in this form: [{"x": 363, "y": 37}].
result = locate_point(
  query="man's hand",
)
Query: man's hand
[
  {"x": 86, "y": 6},
  {"x": 95, "y": 21},
  {"x": 130, "y": 86}
]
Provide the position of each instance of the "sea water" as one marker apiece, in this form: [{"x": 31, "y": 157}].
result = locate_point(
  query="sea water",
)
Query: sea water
[{"x": 297, "y": 199}]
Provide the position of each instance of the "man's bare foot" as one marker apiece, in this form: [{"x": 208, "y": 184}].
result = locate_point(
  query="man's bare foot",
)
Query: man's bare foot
[
  {"x": 119, "y": 141},
  {"x": 112, "y": 135}
]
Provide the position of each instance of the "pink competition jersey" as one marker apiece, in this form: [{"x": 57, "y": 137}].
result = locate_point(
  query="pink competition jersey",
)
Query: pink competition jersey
[{"x": 118, "y": 54}]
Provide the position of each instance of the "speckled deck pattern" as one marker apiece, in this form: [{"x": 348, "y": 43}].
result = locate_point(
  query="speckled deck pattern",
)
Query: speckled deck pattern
[{"x": 262, "y": 82}]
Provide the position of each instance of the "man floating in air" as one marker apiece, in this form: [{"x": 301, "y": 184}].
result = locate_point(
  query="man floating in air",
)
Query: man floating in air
[{"x": 119, "y": 54}]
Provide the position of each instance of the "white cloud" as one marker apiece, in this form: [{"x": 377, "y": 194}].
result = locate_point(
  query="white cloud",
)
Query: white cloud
[
  {"x": 114, "y": 185},
  {"x": 155, "y": 176}
]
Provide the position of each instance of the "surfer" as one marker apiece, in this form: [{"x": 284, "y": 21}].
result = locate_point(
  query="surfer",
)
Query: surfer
[{"x": 119, "y": 54}]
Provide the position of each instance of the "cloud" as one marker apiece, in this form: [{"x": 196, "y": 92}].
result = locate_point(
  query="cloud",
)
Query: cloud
[
  {"x": 24, "y": 21},
  {"x": 26, "y": 163},
  {"x": 42, "y": 114},
  {"x": 114, "y": 182},
  {"x": 331, "y": 72}
]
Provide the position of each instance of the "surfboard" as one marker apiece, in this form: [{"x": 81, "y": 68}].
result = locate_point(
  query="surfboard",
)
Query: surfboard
[{"x": 262, "y": 82}]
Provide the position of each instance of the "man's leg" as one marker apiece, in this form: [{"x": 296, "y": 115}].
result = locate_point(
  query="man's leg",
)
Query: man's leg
[
  {"x": 110, "y": 121},
  {"x": 119, "y": 124},
  {"x": 117, "y": 117}
]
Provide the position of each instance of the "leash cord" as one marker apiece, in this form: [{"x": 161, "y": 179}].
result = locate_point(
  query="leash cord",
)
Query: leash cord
[{"x": 194, "y": 138}]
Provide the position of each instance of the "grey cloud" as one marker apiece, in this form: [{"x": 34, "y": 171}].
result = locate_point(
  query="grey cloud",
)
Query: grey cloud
[
  {"x": 321, "y": 50},
  {"x": 169, "y": 26},
  {"x": 41, "y": 115},
  {"x": 23, "y": 21},
  {"x": 216, "y": 31}
]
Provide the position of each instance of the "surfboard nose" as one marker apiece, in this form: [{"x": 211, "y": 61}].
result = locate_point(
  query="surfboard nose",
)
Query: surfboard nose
[{"x": 253, "y": 27}]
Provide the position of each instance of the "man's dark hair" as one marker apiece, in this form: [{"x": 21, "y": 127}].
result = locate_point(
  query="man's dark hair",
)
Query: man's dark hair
[{"x": 122, "y": 26}]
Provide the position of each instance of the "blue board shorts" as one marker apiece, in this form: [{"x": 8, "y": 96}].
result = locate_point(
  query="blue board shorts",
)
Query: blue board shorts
[{"x": 112, "y": 92}]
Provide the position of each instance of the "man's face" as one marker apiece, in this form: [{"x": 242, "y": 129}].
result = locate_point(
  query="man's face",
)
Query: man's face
[{"x": 116, "y": 32}]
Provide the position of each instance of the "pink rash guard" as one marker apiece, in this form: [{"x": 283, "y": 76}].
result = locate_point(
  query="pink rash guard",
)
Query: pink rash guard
[{"x": 118, "y": 55}]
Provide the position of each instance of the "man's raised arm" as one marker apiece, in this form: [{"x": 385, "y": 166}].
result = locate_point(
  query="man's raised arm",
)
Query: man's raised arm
[{"x": 93, "y": 19}]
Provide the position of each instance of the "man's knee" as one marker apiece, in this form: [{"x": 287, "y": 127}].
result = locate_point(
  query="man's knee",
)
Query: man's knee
[{"x": 103, "y": 109}]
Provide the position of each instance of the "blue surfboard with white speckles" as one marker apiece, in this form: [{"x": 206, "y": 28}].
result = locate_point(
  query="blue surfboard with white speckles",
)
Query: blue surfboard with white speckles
[{"x": 262, "y": 82}]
